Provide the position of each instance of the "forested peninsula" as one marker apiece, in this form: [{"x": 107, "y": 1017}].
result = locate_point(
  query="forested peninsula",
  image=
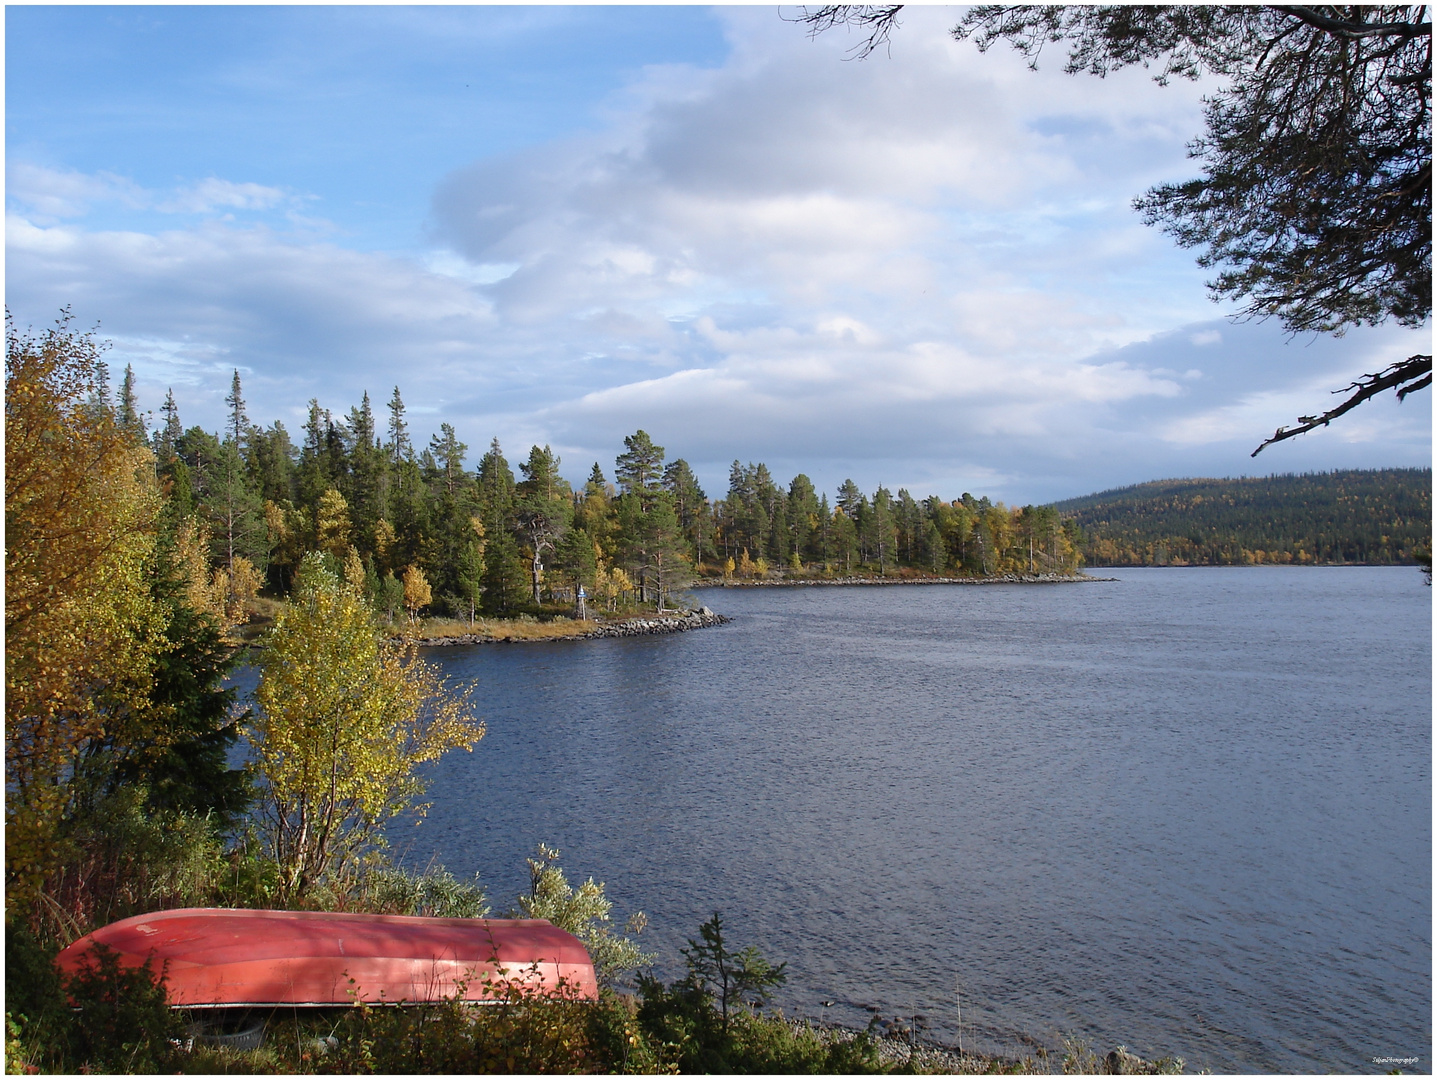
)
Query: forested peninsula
[
  {"x": 422, "y": 532},
  {"x": 1371, "y": 517}
]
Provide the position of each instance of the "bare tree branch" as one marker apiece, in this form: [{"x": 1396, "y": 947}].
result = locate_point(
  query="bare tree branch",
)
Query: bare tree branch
[
  {"x": 1347, "y": 28},
  {"x": 1408, "y": 375},
  {"x": 877, "y": 20}
]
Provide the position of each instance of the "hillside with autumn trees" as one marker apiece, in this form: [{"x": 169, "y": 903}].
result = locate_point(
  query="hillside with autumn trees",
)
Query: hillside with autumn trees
[{"x": 1371, "y": 517}]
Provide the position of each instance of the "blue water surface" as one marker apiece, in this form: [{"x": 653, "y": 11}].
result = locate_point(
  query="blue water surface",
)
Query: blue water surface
[{"x": 1188, "y": 810}]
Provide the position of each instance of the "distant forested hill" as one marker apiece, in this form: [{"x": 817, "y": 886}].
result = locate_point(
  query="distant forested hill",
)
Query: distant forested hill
[{"x": 1374, "y": 517}]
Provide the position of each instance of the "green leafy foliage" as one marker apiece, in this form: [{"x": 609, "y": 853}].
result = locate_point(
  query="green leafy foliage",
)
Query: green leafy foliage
[
  {"x": 585, "y": 913},
  {"x": 124, "y": 1023},
  {"x": 345, "y": 720},
  {"x": 434, "y": 893}
]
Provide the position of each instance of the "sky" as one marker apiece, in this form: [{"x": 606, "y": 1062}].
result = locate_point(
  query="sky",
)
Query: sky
[{"x": 559, "y": 225}]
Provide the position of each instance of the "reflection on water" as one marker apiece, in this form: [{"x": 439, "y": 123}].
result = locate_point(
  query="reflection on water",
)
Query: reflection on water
[{"x": 1188, "y": 811}]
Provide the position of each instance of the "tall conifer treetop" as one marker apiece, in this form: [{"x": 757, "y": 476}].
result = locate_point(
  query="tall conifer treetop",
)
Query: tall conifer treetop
[
  {"x": 640, "y": 467},
  {"x": 239, "y": 424}
]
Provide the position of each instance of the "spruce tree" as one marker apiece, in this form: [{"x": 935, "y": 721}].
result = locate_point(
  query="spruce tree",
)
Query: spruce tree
[
  {"x": 171, "y": 432},
  {"x": 238, "y": 425},
  {"x": 399, "y": 445},
  {"x": 803, "y": 516},
  {"x": 130, "y": 418},
  {"x": 691, "y": 506}
]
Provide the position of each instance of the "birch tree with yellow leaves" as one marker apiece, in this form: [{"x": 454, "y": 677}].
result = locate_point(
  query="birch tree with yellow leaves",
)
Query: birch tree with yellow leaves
[
  {"x": 81, "y": 626},
  {"x": 345, "y": 719}
]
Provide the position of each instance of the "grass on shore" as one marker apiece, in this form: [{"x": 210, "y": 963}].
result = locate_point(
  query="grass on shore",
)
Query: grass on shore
[{"x": 524, "y": 628}]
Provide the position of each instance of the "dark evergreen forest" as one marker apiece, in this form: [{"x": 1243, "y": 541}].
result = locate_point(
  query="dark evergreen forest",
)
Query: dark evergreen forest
[
  {"x": 1376, "y": 517},
  {"x": 418, "y": 528}
]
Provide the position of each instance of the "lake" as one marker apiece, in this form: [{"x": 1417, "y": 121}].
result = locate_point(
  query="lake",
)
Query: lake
[{"x": 1188, "y": 810}]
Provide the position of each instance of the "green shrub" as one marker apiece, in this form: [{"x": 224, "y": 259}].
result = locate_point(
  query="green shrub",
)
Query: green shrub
[
  {"x": 124, "y": 1022},
  {"x": 435, "y": 893},
  {"x": 520, "y": 1030},
  {"x": 583, "y": 912},
  {"x": 705, "y": 1022},
  {"x": 37, "y": 1016},
  {"x": 124, "y": 857}
]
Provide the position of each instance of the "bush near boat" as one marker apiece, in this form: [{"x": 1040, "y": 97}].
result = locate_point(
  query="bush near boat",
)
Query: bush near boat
[{"x": 707, "y": 1021}]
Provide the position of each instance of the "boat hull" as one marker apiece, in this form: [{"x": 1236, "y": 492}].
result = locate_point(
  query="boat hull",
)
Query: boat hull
[{"x": 224, "y": 958}]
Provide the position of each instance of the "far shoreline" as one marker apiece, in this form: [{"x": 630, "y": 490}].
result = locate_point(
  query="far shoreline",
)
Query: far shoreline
[{"x": 993, "y": 579}]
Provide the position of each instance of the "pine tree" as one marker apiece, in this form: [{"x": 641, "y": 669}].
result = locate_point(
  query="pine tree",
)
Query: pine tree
[
  {"x": 542, "y": 511},
  {"x": 239, "y": 425},
  {"x": 640, "y": 467},
  {"x": 691, "y": 506},
  {"x": 448, "y": 453},
  {"x": 651, "y": 544}
]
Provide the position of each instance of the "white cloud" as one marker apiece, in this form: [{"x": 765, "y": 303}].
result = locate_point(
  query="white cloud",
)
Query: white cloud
[
  {"x": 213, "y": 194},
  {"x": 918, "y": 271},
  {"x": 48, "y": 195},
  {"x": 51, "y": 195},
  {"x": 307, "y": 319}
]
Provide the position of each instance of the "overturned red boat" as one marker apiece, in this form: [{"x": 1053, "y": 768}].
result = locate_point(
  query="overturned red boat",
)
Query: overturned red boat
[{"x": 223, "y": 957}]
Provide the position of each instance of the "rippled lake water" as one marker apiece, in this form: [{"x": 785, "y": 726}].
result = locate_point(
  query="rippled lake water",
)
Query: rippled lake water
[{"x": 1187, "y": 810}]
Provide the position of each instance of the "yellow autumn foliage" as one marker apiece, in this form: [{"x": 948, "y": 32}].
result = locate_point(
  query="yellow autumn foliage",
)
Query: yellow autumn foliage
[
  {"x": 345, "y": 718},
  {"x": 331, "y": 524},
  {"x": 417, "y": 593},
  {"x": 81, "y": 627}
]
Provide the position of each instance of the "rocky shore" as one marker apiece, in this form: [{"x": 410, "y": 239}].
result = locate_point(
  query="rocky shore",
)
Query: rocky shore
[
  {"x": 669, "y": 623},
  {"x": 996, "y": 579},
  {"x": 899, "y": 1053}
]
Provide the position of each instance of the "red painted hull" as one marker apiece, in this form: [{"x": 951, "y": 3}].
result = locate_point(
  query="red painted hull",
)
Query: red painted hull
[{"x": 221, "y": 957}]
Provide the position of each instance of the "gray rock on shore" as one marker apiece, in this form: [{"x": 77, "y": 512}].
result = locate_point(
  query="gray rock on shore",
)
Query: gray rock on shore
[{"x": 659, "y": 624}]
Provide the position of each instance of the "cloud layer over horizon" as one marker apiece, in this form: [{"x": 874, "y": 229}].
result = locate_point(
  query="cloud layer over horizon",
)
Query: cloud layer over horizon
[{"x": 920, "y": 271}]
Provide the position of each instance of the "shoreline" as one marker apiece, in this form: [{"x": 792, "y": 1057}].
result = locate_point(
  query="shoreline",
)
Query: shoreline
[
  {"x": 899, "y": 1051},
  {"x": 996, "y": 579},
  {"x": 639, "y": 626}
]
